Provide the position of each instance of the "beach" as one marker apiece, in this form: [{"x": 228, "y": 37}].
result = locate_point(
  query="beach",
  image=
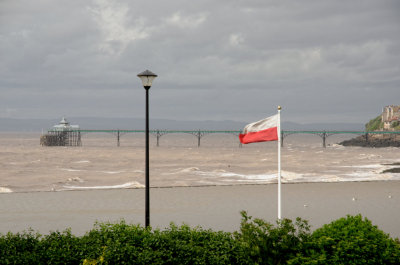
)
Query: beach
[
  {"x": 53, "y": 188},
  {"x": 215, "y": 207}
]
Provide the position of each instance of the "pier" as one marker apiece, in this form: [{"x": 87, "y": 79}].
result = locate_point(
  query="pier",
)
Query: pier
[
  {"x": 199, "y": 134},
  {"x": 62, "y": 134}
]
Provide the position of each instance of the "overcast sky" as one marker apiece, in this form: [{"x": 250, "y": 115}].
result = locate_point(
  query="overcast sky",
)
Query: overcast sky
[{"x": 323, "y": 61}]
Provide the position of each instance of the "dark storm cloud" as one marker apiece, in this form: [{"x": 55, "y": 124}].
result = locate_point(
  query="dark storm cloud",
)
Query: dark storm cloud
[{"x": 322, "y": 60}]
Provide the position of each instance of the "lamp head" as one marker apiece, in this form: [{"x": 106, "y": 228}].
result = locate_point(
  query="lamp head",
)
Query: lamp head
[{"x": 147, "y": 78}]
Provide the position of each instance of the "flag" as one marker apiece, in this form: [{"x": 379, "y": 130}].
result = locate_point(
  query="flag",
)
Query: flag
[
  {"x": 268, "y": 129},
  {"x": 260, "y": 131}
]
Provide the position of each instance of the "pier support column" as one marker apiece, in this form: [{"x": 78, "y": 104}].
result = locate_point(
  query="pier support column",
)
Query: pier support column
[
  {"x": 79, "y": 139},
  {"x": 324, "y": 139},
  {"x": 198, "y": 138}
]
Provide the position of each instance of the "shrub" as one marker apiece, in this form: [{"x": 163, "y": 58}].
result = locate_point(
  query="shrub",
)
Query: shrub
[
  {"x": 265, "y": 243},
  {"x": 350, "y": 240}
]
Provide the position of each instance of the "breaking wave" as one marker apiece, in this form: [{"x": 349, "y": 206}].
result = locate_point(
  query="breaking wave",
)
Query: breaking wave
[
  {"x": 133, "y": 184},
  {"x": 5, "y": 190},
  {"x": 372, "y": 172}
]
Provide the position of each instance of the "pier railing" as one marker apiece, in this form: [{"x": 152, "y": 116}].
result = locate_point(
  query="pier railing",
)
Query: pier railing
[{"x": 200, "y": 133}]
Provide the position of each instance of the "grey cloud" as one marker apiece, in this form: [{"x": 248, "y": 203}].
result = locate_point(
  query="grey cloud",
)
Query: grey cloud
[{"x": 323, "y": 60}]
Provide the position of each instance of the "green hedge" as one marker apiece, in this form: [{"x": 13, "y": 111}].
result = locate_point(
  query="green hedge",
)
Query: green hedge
[
  {"x": 350, "y": 240},
  {"x": 130, "y": 244}
]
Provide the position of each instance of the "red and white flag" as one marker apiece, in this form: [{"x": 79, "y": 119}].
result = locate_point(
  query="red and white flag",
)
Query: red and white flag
[
  {"x": 268, "y": 129},
  {"x": 261, "y": 131}
]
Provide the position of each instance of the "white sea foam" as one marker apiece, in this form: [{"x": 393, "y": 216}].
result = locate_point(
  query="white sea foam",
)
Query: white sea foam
[
  {"x": 111, "y": 172},
  {"x": 231, "y": 176},
  {"x": 219, "y": 170},
  {"x": 332, "y": 171},
  {"x": 189, "y": 169},
  {"x": 288, "y": 176},
  {"x": 360, "y": 175},
  {"x": 366, "y": 175},
  {"x": 75, "y": 179},
  {"x": 370, "y": 166},
  {"x": 369, "y": 156},
  {"x": 391, "y": 176},
  {"x": 365, "y": 166},
  {"x": 225, "y": 174},
  {"x": 133, "y": 184},
  {"x": 262, "y": 177},
  {"x": 5, "y": 190},
  {"x": 327, "y": 179},
  {"x": 82, "y": 162},
  {"x": 71, "y": 170}
]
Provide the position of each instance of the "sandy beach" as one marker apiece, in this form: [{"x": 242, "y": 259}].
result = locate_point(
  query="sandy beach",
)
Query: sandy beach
[{"x": 215, "y": 207}]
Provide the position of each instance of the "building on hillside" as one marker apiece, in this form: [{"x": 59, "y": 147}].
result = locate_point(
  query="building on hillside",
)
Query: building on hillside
[{"x": 390, "y": 115}]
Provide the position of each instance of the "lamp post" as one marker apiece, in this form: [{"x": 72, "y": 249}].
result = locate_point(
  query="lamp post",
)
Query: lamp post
[{"x": 147, "y": 78}]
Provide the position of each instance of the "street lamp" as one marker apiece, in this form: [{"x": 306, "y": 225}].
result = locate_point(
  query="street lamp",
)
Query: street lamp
[{"x": 147, "y": 78}]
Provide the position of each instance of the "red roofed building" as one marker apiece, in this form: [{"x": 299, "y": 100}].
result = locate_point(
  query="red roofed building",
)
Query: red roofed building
[{"x": 390, "y": 115}]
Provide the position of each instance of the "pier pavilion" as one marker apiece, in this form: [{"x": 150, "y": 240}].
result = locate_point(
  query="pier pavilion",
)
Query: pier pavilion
[{"x": 62, "y": 134}]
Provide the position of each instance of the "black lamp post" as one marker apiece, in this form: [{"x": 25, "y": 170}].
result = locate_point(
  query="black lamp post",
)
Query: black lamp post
[{"x": 147, "y": 78}]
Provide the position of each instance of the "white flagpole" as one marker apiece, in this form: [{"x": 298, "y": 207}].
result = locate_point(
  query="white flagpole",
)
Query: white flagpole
[{"x": 279, "y": 163}]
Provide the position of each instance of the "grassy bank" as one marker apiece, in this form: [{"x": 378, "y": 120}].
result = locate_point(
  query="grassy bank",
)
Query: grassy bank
[{"x": 349, "y": 240}]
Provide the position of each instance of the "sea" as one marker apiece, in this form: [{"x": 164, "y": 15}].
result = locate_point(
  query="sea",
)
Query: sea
[{"x": 99, "y": 163}]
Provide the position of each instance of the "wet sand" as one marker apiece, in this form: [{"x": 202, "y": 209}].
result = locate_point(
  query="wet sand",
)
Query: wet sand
[{"x": 215, "y": 207}]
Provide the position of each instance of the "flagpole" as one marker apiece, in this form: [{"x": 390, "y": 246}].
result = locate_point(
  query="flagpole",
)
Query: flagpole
[{"x": 279, "y": 164}]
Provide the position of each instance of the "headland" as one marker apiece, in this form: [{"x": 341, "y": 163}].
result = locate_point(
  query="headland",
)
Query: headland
[{"x": 387, "y": 121}]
